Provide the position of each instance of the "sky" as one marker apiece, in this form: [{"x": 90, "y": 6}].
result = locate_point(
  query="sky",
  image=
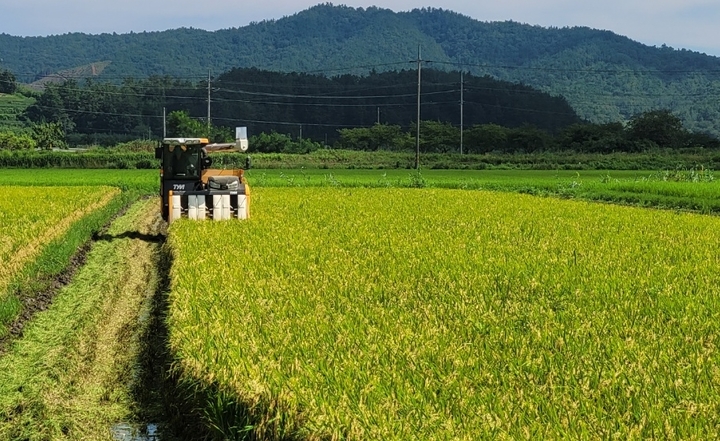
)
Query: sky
[{"x": 689, "y": 24}]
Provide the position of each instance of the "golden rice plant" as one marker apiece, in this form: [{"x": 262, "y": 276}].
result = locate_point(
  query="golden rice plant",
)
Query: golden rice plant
[
  {"x": 32, "y": 217},
  {"x": 406, "y": 314}
]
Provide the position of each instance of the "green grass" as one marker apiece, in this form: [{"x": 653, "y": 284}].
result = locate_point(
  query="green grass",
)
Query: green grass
[
  {"x": 139, "y": 181},
  {"x": 643, "y": 188},
  {"x": 350, "y": 313},
  {"x": 464, "y": 179}
]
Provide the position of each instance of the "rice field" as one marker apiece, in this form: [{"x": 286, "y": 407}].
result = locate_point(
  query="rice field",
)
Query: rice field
[
  {"x": 685, "y": 190},
  {"x": 32, "y": 217},
  {"x": 400, "y": 305},
  {"x": 403, "y": 314}
]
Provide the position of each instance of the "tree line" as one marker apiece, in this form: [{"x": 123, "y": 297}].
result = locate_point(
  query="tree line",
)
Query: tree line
[
  {"x": 649, "y": 131},
  {"x": 300, "y": 105},
  {"x": 299, "y": 113}
]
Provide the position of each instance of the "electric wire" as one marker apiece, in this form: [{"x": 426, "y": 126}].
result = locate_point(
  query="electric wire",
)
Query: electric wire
[{"x": 151, "y": 90}]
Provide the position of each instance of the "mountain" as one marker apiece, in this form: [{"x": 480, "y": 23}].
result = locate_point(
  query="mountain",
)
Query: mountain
[{"x": 604, "y": 76}]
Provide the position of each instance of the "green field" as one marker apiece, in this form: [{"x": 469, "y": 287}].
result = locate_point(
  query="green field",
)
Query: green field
[
  {"x": 690, "y": 190},
  {"x": 445, "y": 314},
  {"x": 371, "y": 304},
  {"x": 145, "y": 181},
  {"x": 697, "y": 191},
  {"x": 681, "y": 190}
]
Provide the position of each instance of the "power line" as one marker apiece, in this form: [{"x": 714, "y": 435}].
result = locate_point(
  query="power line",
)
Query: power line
[
  {"x": 324, "y": 104},
  {"x": 463, "y": 65},
  {"x": 510, "y": 90},
  {"x": 95, "y": 112},
  {"x": 324, "y": 97},
  {"x": 293, "y": 123},
  {"x": 145, "y": 89},
  {"x": 578, "y": 70}
]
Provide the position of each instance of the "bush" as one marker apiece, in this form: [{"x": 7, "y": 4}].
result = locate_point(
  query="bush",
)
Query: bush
[
  {"x": 120, "y": 164},
  {"x": 14, "y": 141},
  {"x": 137, "y": 145},
  {"x": 145, "y": 165}
]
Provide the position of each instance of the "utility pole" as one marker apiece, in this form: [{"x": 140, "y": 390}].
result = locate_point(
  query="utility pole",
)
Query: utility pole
[
  {"x": 417, "y": 135},
  {"x": 208, "y": 115},
  {"x": 462, "y": 103},
  {"x": 164, "y": 113},
  {"x": 378, "y": 109}
]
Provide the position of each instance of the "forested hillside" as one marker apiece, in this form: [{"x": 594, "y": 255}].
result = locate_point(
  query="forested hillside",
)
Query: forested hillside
[
  {"x": 604, "y": 76},
  {"x": 301, "y": 113},
  {"x": 300, "y": 105}
]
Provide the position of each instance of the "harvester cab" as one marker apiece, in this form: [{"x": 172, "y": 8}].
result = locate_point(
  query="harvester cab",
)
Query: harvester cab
[{"x": 190, "y": 188}]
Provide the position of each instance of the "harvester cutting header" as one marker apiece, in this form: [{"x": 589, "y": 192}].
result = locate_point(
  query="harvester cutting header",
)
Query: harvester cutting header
[{"x": 190, "y": 188}]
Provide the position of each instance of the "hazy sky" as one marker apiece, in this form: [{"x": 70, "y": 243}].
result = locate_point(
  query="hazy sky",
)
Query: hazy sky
[{"x": 690, "y": 24}]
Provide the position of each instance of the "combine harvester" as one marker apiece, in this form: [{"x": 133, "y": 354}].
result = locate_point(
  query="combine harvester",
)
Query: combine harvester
[{"x": 190, "y": 188}]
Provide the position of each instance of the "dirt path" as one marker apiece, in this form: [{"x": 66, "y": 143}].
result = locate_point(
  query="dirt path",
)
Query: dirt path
[{"x": 81, "y": 367}]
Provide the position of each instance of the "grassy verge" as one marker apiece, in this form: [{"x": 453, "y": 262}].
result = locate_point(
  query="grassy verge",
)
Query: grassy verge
[
  {"x": 141, "y": 182},
  {"x": 74, "y": 372},
  {"x": 349, "y": 159}
]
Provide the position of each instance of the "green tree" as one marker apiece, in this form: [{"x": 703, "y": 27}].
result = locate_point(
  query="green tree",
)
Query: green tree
[
  {"x": 8, "y": 83},
  {"x": 180, "y": 124},
  {"x": 439, "y": 137},
  {"x": 593, "y": 138},
  {"x": 220, "y": 134},
  {"x": 377, "y": 137},
  {"x": 52, "y": 106},
  {"x": 528, "y": 139},
  {"x": 271, "y": 142},
  {"x": 304, "y": 145},
  {"x": 359, "y": 138},
  {"x": 659, "y": 126},
  {"x": 49, "y": 136},
  {"x": 702, "y": 140},
  {"x": 486, "y": 138}
]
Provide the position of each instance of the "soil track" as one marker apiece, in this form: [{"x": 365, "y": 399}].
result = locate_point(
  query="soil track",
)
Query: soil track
[{"x": 34, "y": 302}]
